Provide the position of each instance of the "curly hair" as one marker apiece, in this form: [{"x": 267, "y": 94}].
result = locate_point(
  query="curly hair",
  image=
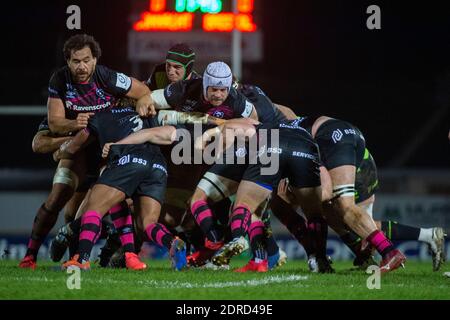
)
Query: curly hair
[{"x": 78, "y": 42}]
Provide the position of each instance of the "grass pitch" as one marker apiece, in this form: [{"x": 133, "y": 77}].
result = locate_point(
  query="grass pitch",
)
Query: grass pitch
[{"x": 291, "y": 281}]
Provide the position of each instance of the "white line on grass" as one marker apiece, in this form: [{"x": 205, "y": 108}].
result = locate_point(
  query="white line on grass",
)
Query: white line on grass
[{"x": 164, "y": 284}]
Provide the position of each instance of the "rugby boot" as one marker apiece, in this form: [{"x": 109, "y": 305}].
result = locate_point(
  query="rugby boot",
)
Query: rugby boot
[
  {"x": 391, "y": 261},
  {"x": 74, "y": 263},
  {"x": 177, "y": 254},
  {"x": 437, "y": 248},
  {"x": 28, "y": 262},
  {"x": 133, "y": 262},
  {"x": 252, "y": 265},
  {"x": 200, "y": 257},
  {"x": 231, "y": 249}
]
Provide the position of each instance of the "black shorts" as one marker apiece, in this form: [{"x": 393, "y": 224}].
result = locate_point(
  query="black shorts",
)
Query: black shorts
[
  {"x": 340, "y": 144},
  {"x": 137, "y": 171},
  {"x": 299, "y": 161},
  {"x": 366, "y": 182},
  {"x": 233, "y": 172}
]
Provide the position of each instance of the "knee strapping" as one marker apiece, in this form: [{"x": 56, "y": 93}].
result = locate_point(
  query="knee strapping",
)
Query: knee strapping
[
  {"x": 66, "y": 176},
  {"x": 343, "y": 190},
  {"x": 213, "y": 187}
]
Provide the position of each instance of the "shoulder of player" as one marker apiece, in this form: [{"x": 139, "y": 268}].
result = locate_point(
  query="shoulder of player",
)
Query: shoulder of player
[
  {"x": 101, "y": 69},
  {"x": 61, "y": 74},
  {"x": 236, "y": 96}
]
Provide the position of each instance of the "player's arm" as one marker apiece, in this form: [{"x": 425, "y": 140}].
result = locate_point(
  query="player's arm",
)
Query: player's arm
[
  {"x": 286, "y": 111},
  {"x": 57, "y": 118},
  {"x": 159, "y": 100},
  {"x": 142, "y": 93},
  {"x": 43, "y": 142},
  {"x": 69, "y": 148},
  {"x": 159, "y": 135},
  {"x": 244, "y": 108},
  {"x": 241, "y": 128},
  {"x": 171, "y": 117},
  {"x": 170, "y": 97},
  {"x": 254, "y": 114}
]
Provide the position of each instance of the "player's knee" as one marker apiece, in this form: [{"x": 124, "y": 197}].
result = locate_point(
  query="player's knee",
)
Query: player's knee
[
  {"x": 65, "y": 176},
  {"x": 199, "y": 195},
  {"x": 213, "y": 188}
]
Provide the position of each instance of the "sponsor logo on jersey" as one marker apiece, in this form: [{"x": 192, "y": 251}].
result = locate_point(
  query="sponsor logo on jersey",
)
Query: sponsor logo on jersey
[
  {"x": 248, "y": 109},
  {"x": 261, "y": 150},
  {"x": 123, "y": 81},
  {"x": 336, "y": 135},
  {"x": 218, "y": 114},
  {"x": 71, "y": 94},
  {"x": 274, "y": 150},
  {"x": 100, "y": 93},
  {"x": 127, "y": 159},
  {"x": 74, "y": 107},
  {"x": 303, "y": 155},
  {"x": 241, "y": 152},
  {"x": 169, "y": 90},
  {"x": 350, "y": 131},
  {"x": 160, "y": 167},
  {"x": 294, "y": 125},
  {"x": 117, "y": 110},
  {"x": 124, "y": 160},
  {"x": 51, "y": 90}
]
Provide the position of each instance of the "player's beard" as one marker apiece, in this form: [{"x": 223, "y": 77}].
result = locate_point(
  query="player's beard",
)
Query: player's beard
[
  {"x": 82, "y": 77},
  {"x": 216, "y": 101}
]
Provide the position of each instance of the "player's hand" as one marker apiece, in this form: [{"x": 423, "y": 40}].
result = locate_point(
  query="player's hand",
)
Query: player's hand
[
  {"x": 283, "y": 186},
  {"x": 201, "y": 142},
  {"x": 106, "y": 149},
  {"x": 57, "y": 155},
  {"x": 145, "y": 106},
  {"x": 83, "y": 119}
]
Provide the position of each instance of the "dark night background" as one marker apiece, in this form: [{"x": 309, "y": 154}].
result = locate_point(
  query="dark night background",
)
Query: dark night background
[{"x": 319, "y": 58}]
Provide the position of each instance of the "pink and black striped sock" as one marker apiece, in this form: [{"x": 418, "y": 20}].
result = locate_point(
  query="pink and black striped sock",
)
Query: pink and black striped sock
[
  {"x": 240, "y": 221},
  {"x": 205, "y": 219},
  {"x": 158, "y": 233},
  {"x": 91, "y": 223},
  {"x": 123, "y": 222}
]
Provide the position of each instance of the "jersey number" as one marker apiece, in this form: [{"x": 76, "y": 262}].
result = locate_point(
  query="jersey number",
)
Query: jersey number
[{"x": 138, "y": 121}]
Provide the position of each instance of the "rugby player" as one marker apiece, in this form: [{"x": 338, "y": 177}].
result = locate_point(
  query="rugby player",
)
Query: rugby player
[
  {"x": 178, "y": 66},
  {"x": 133, "y": 171},
  {"x": 366, "y": 184},
  {"x": 76, "y": 92},
  {"x": 299, "y": 162}
]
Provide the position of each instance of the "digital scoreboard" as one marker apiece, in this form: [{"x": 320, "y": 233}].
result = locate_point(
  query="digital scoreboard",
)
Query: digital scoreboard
[
  {"x": 206, "y": 25},
  {"x": 181, "y": 15}
]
